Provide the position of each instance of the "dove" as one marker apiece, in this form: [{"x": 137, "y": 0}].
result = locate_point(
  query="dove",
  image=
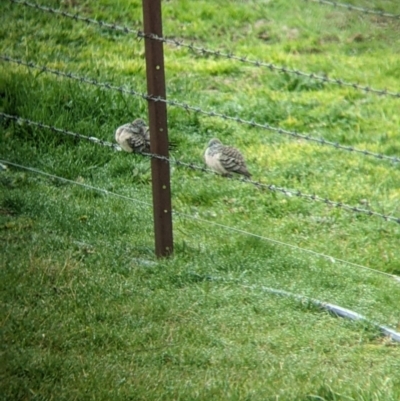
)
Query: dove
[
  {"x": 225, "y": 159},
  {"x": 134, "y": 137}
]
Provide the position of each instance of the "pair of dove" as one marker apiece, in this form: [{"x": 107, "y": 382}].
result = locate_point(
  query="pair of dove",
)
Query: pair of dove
[{"x": 134, "y": 137}]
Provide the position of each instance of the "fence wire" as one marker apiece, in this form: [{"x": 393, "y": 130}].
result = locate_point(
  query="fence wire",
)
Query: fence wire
[
  {"x": 271, "y": 66},
  {"x": 199, "y": 110},
  {"x": 231, "y": 56},
  {"x": 39, "y": 124},
  {"x": 331, "y": 259},
  {"x": 216, "y": 53},
  {"x": 350, "y": 7},
  {"x": 193, "y": 166},
  {"x": 335, "y": 309}
]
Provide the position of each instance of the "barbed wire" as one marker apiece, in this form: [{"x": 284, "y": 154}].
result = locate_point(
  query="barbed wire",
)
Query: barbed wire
[
  {"x": 271, "y": 66},
  {"x": 39, "y": 124},
  {"x": 332, "y": 259},
  {"x": 187, "y": 107},
  {"x": 356, "y": 8},
  {"x": 337, "y": 310},
  {"x": 192, "y": 166},
  {"x": 216, "y": 53}
]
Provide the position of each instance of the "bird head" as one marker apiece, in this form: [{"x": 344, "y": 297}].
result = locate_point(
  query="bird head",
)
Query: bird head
[
  {"x": 139, "y": 123},
  {"x": 213, "y": 142}
]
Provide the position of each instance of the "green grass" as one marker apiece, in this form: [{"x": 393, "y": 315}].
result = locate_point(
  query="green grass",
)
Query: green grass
[{"x": 89, "y": 313}]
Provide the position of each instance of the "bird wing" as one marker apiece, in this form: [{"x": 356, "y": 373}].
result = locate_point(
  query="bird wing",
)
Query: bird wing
[
  {"x": 233, "y": 161},
  {"x": 136, "y": 142},
  {"x": 130, "y": 138}
]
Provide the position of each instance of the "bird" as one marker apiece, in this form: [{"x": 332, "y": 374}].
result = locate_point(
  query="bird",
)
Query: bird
[
  {"x": 134, "y": 137},
  {"x": 225, "y": 159}
]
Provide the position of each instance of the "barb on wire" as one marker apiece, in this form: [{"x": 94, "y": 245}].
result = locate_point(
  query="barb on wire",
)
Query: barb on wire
[
  {"x": 192, "y": 166},
  {"x": 188, "y": 216},
  {"x": 356, "y": 8},
  {"x": 203, "y": 51},
  {"x": 185, "y": 106}
]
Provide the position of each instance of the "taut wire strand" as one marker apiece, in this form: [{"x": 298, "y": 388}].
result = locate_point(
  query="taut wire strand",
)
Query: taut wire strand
[
  {"x": 188, "y": 216},
  {"x": 192, "y": 166},
  {"x": 195, "y": 109},
  {"x": 356, "y": 8},
  {"x": 217, "y": 53}
]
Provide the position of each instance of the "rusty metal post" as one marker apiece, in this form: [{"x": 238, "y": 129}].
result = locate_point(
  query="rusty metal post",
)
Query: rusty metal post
[{"x": 162, "y": 208}]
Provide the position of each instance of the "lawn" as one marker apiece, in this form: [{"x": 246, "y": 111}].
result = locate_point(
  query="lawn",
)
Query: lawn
[{"x": 87, "y": 310}]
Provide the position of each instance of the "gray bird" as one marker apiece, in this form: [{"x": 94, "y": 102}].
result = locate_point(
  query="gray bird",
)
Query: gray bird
[
  {"x": 133, "y": 137},
  {"x": 225, "y": 159}
]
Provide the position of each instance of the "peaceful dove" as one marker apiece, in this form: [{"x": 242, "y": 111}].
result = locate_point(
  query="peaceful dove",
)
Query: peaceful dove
[
  {"x": 225, "y": 159},
  {"x": 134, "y": 137}
]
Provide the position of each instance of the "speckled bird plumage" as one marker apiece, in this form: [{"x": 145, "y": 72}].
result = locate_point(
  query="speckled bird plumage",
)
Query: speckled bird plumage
[
  {"x": 133, "y": 137},
  {"x": 225, "y": 159}
]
